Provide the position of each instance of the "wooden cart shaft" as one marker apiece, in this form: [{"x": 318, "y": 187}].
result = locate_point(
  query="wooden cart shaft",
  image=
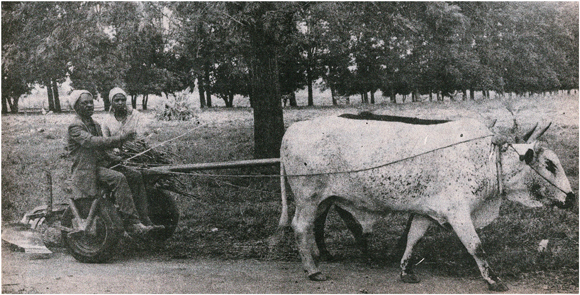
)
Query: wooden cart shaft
[{"x": 213, "y": 166}]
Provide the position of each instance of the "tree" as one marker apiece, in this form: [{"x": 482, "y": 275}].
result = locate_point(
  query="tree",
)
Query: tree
[
  {"x": 198, "y": 26},
  {"x": 264, "y": 24},
  {"x": 15, "y": 77},
  {"x": 49, "y": 31},
  {"x": 567, "y": 21},
  {"x": 96, "y": 63}
]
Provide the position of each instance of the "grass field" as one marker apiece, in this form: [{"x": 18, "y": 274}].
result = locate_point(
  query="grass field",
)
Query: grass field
[{"x": 232, "y": 217}]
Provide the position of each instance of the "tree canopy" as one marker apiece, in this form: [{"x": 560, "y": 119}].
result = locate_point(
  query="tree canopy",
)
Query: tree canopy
[{"x": 266, "y": 50}]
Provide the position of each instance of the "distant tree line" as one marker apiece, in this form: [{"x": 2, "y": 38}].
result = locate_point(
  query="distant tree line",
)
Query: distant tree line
[{"x": 268, "y": 50}]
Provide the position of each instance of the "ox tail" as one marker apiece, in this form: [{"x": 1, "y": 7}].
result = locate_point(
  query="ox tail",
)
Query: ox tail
[
  {"x": 284, "y": 216},
  {"x": 279, "y": 238}
]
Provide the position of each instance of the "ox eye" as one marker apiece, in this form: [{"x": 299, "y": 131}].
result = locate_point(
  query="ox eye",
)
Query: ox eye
[{"x": 551, "y": 166}]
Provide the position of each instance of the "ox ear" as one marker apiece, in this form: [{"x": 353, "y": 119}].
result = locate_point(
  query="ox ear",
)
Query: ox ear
[
  {"x": 528, "y": 157},
  {"x": 525, "y": 152}
]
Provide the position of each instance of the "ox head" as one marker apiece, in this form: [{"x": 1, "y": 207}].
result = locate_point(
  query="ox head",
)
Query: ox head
[{"x": 534, "y": 175}]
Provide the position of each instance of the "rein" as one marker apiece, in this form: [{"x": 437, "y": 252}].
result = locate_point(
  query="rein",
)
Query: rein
[
  {"x": 155, "y": 146},
  {"x": 329, "y": 173},
  {"x": 498, "y": 167}
]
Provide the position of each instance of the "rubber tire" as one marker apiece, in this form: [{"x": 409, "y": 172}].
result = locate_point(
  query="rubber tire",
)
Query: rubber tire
[
  {"x": 162, "y": 211},
  {"x": 109, "y": 232}
]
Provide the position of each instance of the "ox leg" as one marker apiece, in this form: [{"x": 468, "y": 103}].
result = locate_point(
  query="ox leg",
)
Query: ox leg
[
  {"x": 303, "y": 225},
  {"x": 465, "y": 230},
  {"x": 319, "y": 224},
  {"x": 417, "y": 229},
  {"x": 356, "y": 229},
  {"x": 399, "y": 249}
]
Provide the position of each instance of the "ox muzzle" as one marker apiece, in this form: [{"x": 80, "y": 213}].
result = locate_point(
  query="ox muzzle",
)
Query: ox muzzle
[{"x": 568, "y": 203}]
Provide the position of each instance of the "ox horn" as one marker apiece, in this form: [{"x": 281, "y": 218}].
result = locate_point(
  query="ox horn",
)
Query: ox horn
[
  {"x": 529, "y": 133},
  {"x": 539, "y": 133}
]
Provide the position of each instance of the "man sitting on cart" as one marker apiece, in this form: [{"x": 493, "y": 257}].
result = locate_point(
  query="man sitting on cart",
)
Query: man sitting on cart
[{"x": 87, "y": 146}]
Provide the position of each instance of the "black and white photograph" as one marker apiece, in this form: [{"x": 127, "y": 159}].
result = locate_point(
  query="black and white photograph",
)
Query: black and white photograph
[{"x": 290, "y": 147}]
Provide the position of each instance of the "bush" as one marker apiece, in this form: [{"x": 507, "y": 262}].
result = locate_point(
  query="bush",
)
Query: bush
[{"x": 177, "y": 109}]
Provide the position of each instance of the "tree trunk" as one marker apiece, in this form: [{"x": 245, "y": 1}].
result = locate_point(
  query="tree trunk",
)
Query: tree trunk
[
  {"x": 208, "y": 98},
  {"x": 265, "y": 89},
  {"x": 310, "y": 94},
  {"x": 56, "y": 97},
  {"x": 4, "y": 104},
  {"x": 229, "y": 99},
  {"x": 372, "y": 97},
  {"x": 416, "y": 95},
  {"x": 471, "y": 94},
  {"x": 144, "y": 101},
  {"x": 50, "y": 97},
  {"x": 430, "y": 95},
  {"x": 393, "y": 96},
  {"x": 293, "y": 102},
  {"x": 106, "y": 100},
  {"x": 309, "y": 79},
  {"x": 333, "y": 96},
  {"x": 201, "y": 90},
  {"x": 464, "y": 91},
  {"x": 207, "y": 84},
  {"x": 134, "y": 101},
  {"x": 13, "y": 103}
]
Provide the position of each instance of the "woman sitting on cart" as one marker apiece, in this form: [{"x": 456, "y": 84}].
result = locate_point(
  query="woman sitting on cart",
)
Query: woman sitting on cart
[{"x": 120, "y": 119}]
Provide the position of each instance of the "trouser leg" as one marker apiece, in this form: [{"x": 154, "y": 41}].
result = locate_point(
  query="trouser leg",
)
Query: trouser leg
[
  {"x": 117, "y": 183},
  {"x": 137, "y": 185}
]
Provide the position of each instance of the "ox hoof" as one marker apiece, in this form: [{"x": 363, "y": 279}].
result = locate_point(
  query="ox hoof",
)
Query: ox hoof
[
  {"x": 317, "y": 277},
  {"x": 498, "y": 287},
  {"x": 410, "y": 278}
]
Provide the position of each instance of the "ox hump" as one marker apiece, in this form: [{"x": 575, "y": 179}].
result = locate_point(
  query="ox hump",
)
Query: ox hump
[{"x": 388, "y": 118}]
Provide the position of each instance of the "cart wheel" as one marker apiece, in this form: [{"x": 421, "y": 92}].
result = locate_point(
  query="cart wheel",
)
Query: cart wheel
[
  {"x": 51, "y": 235},
  {"x": 100, "y": 246},
  {"x": 162, "y": 211}
]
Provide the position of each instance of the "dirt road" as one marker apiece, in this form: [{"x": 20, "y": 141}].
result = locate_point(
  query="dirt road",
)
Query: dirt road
[{"x": 60, "y": 273}]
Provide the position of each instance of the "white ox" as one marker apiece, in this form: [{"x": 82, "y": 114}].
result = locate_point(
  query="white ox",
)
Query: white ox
[{"x": 448, "y": 173}]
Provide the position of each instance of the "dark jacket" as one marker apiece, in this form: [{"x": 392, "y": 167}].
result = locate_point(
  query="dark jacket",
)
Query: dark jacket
[{"x": 87, "y": 148}]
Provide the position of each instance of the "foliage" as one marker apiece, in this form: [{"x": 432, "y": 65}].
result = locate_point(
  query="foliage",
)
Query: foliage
[
  {"x": 140, "y": 152},
  {"x": 264, "y": 50},
  {"x": 153, "y": 48},
  {"x": 14, "y": 76},
  {"x": 178, "y": 109}
]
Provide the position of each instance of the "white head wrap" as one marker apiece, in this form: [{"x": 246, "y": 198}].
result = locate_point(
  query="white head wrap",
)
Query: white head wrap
[
  {"x": 116, "y": 90},
  {"x": 75, "y": 95}
]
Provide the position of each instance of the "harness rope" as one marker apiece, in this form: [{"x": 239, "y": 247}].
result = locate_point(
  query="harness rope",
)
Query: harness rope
[
  {"x": 327, "y": 173},
  {"x": 537, "y": 172}
]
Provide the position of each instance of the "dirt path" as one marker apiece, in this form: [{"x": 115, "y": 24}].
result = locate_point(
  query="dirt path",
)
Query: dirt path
[{"x": 25, "y": 273}]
